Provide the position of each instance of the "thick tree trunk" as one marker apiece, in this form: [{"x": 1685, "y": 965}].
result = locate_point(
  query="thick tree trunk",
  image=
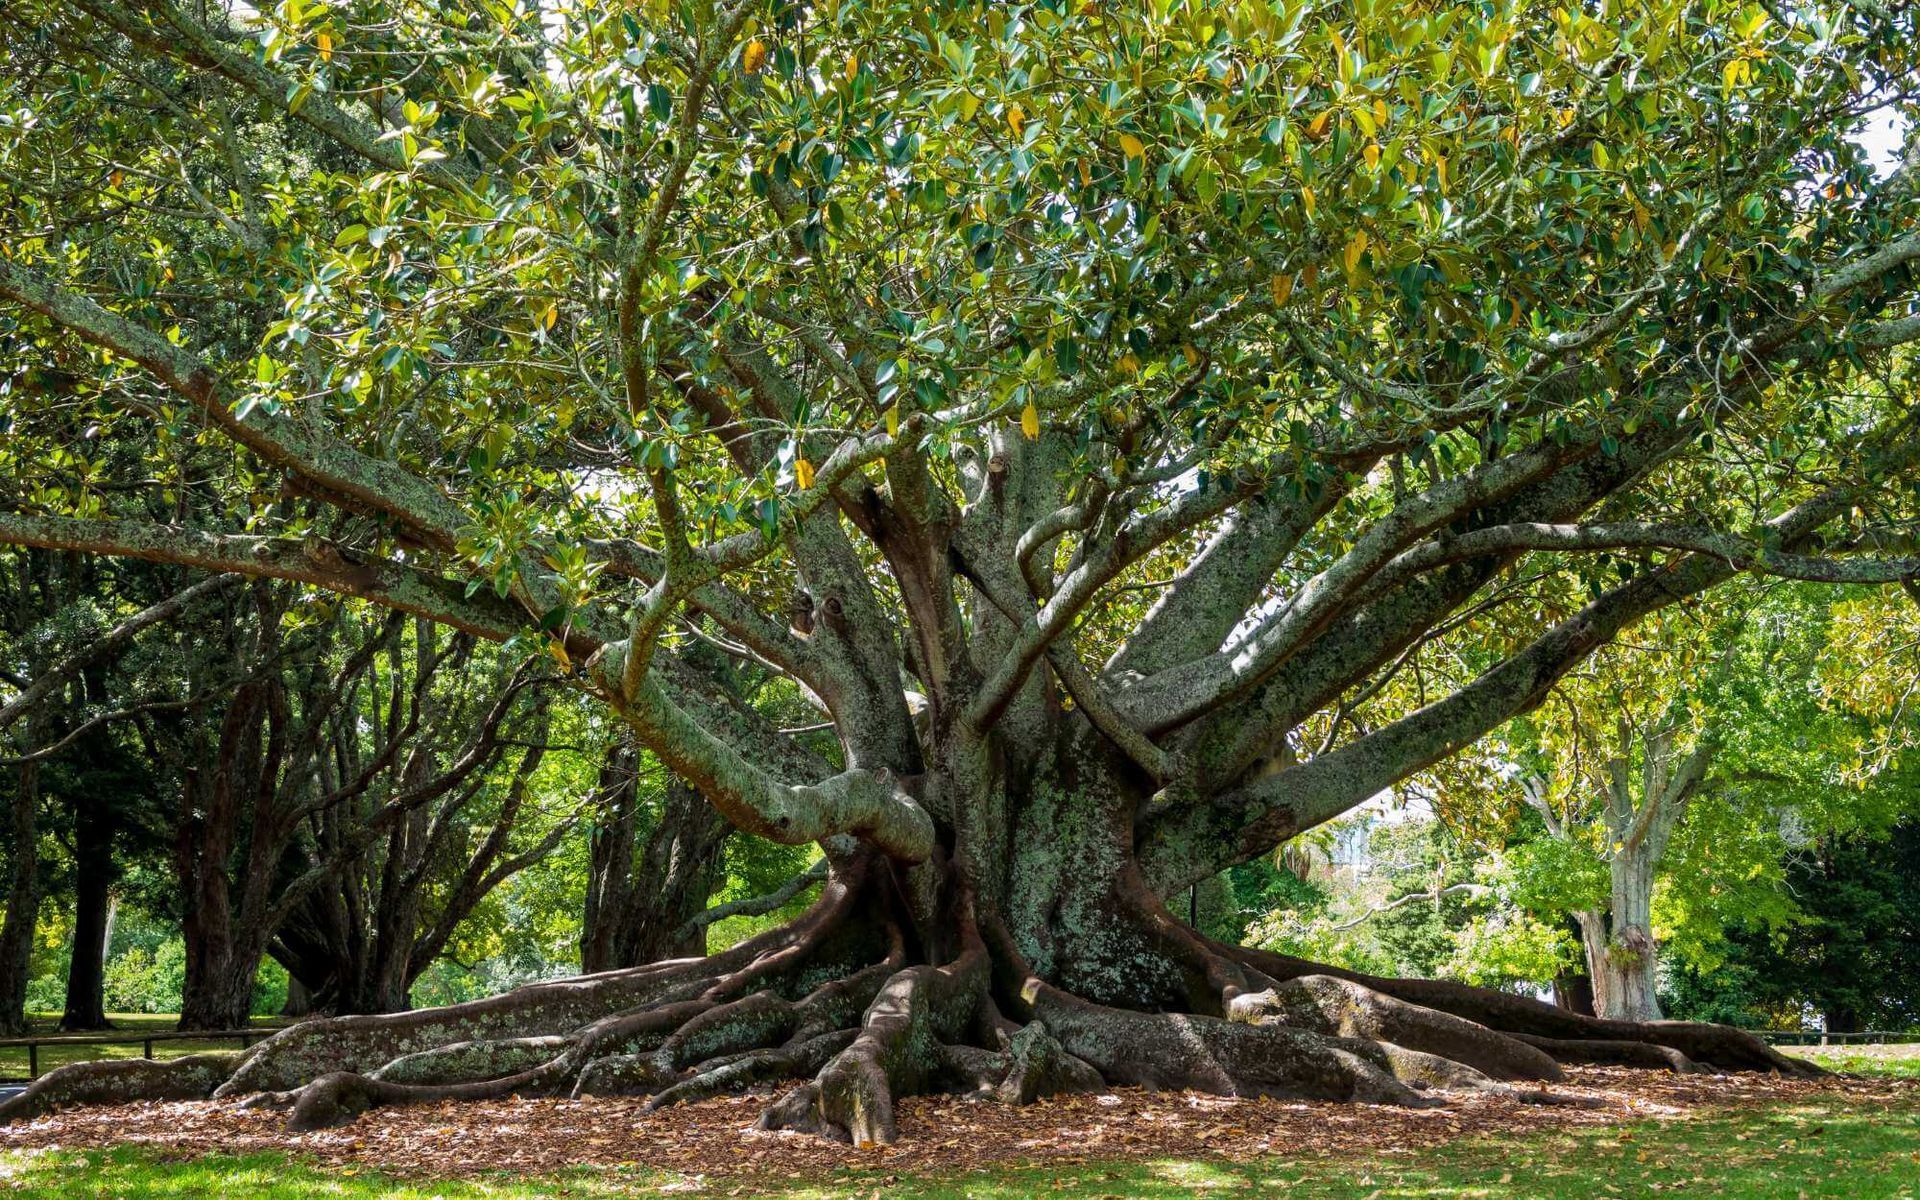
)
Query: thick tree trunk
[
  {"x": 218, "y": 992},
  {"x": 1841, "y": 1019},
  {"x": 1623, "y": 973},
  {"x": 93, "y": 883},
  {"x": 610, "y": 855},
  {"x": 1573, "y": 991},
  {"x": 640, "y": 906},
  {"x": 1622, "y": 959},
  {"x": 23, "y": 898}
]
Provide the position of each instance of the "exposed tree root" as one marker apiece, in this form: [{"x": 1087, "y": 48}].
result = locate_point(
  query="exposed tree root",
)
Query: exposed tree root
[
  {"x": 1229, "y": 1058},
  {"x": 760, "y": 1021},
  {"x": 471, "y": 1060},
  {"x": 121, "y": 1081},
  {"x": 1601, "y": 1052},
  {"x": 1716, "y": 1046},
  {"x": 1038, "y": 1066},
  {"x": 796, "y": 1058},
  {"x": 899, "y": 1051},
  {"x": 1340, "y": 1008}
]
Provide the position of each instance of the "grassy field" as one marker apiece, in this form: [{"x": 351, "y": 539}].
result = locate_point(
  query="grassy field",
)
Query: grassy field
[
  {"x": 1901, "y": 1061},
  {"x": 13, "y": 1059},
  {"x": 1816, "y": 1148}
]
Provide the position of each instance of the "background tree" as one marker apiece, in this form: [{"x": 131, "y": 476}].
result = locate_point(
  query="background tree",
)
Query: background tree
[
  {"x": 1850, "y": 956},
  {"x": 915, "y": 349},
  {"x": 1622, "y": 753},
  {"x": 327, "y": 795},
  {"x": 1678, "y": 780},
  {"x": 659, "y": 851}
]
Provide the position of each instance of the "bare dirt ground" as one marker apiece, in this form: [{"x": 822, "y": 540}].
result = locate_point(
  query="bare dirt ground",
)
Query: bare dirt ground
[{"x": 713, "y": 1138}]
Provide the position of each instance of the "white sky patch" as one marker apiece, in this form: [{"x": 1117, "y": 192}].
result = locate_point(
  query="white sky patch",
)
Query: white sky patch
[{"x": 1882, "y": 139}]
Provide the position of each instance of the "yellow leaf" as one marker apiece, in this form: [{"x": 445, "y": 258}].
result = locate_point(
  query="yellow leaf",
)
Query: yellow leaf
[
  {"x": 1016, "y": 118},
  {"x": 1030, "y": 421},
  {"x": 803, "y": 473},
  {"x": 1380, "y": 112},
  {"x": 1282, "y": 288},
  {"x": 969, "y": 105},
  {"x": 324, "y": 41},
  {"x": 853, "y": 66},
  {"x": 893, "y": 421},
  {"x": 1372, "y": 155},
  {"x": 550, "y": 316},
  {"x": 1130, "y": 363},
  {"x": 1356, "y": 246},
  {"x": 1440, "y": 165},
  {"x": 1733, "y": 75},
  {"x": 1086, "y": 174},
  {"x": 754, "y": 57},
  {"x": 1317, "y": 128},
  {"x": 1306, "y": 199},
  {"x": 559, "y": 652},
  {"x": 1132, "y": 145}
]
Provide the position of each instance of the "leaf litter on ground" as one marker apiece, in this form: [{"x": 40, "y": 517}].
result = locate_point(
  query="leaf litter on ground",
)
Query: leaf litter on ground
[{"x": 713, "y": 1140}]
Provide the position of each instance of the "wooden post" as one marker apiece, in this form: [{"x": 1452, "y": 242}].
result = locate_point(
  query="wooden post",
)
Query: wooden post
[{"x": 33, "y": 1061}]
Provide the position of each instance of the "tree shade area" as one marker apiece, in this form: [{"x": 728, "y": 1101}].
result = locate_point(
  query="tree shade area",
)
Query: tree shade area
[{"x": 927, "y": 491}]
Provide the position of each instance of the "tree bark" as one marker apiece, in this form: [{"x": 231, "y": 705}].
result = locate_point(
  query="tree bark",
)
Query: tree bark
[
  {"x": 640, "y": 905},
  {"x": 93, "y": 883},
  {"x": 23, "y": 898},
  {"x": 299, "y": 1002},
  {"x": 217, "y": 992},
  {"x": 1573, "y": 991},
  {"x": 1621, "y": 964}
]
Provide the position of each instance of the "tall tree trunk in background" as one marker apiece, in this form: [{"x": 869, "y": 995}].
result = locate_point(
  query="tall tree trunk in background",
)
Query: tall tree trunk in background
[
  {"x": 1841, "y": 1018},
  {"x": 610, "y": 858},
  {"x": 639, "y": 898},
  {"x": 93, "y": 882},
  {"x": 23, "y": 899},
  {"x": 680, "y": 867},
  {"x": 299, "y": 1002},
  {"x": 1573, "y": 991},
  {"x": 218, "y": 989},
  {"x": 1622, "y": 958}
]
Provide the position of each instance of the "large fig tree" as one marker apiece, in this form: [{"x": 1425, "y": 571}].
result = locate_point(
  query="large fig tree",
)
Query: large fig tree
[{"x": 1090, "y": 408}]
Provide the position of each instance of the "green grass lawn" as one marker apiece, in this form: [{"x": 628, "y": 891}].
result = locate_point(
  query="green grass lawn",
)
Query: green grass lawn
[
  {"x": 1902, "y": 1061},
  {"x": 13, "y": 1059},
  {"x": 1816, "y": 1148}
]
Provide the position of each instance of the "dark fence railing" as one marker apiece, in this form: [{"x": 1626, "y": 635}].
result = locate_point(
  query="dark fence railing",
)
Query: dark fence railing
[
  {"x": 246, "y": 1037},
  {"x": 1816, "y": 1037}
]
